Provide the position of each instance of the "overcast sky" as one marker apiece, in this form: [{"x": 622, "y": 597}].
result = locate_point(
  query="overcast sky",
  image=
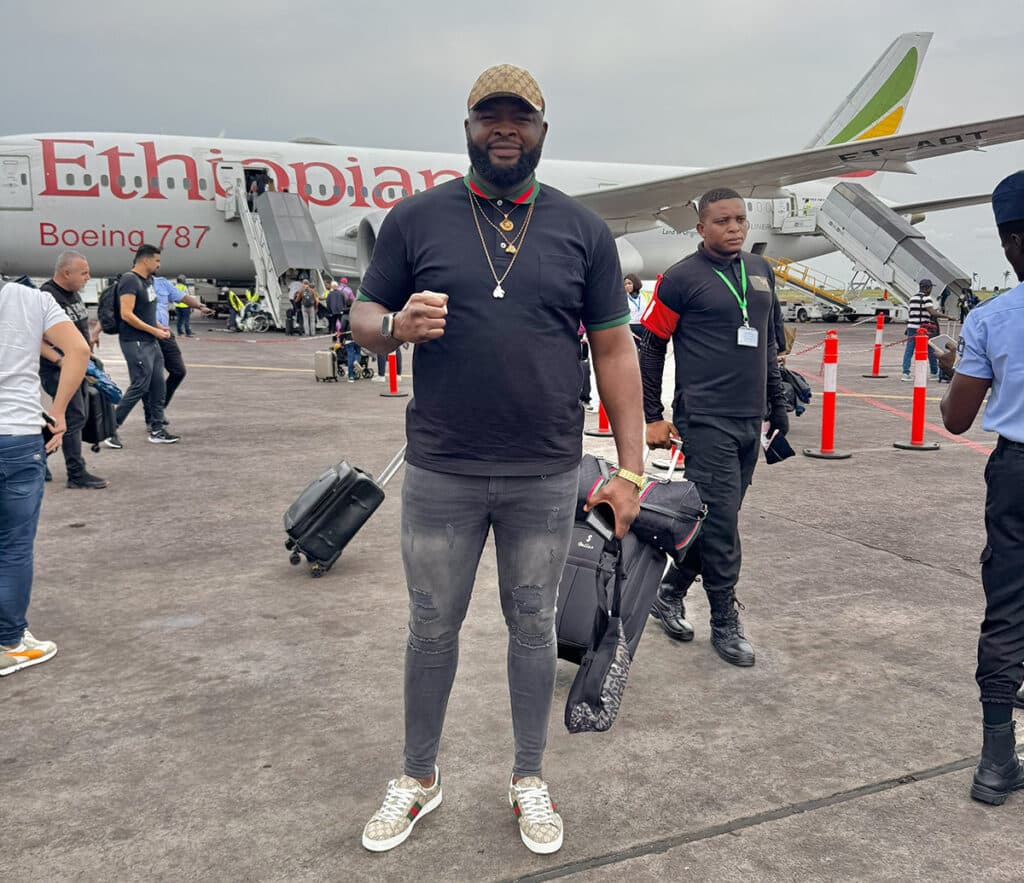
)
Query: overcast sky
[{"x": 676, "y": 83}]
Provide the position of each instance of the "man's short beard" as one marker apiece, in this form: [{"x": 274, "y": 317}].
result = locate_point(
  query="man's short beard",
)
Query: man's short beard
[{"x": 503, "y": 178}]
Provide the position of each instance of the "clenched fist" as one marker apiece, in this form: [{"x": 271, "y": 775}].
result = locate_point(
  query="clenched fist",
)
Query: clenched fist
[{"x": 422, "y": 319}]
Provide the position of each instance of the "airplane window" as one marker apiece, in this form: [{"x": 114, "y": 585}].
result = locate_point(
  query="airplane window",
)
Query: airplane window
[
  {"x": 323, "y": 190},
  {"x": 351, "y": 190},
  {"x": 87, "y": 180},
  {"x": 202, "y": 183},
  {"x": 309, "y": 190},
  {"x": 750, "y": 206},
  {"x": 24, "y": 178},
  {"x": 187, "y": 183},
  {"x": 70, "y": 180},
  {"x": 391, "y": 192},
  {"x": 104, "y": 180},
  {"x": 170, "y": 183},
  {"x": 138, "y": 181}
]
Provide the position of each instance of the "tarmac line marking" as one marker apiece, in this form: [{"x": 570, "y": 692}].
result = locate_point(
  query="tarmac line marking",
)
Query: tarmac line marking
[
  {"x": 663, "y": 845},
  {"x": 931, "y": 427}
]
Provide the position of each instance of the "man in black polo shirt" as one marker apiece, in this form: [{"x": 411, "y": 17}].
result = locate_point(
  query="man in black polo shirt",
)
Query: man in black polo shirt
[
  {"x": 718, "y": 307},
  {"x": 490, "y": 276},
  {"x": 140, "y": 337},
  {"x": 69, "y": 278}
]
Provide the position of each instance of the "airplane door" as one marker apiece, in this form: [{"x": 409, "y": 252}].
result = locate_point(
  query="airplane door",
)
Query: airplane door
[
  {"x": 229, "y": 176},
  {"x": 780, "y": 211},
  {"x": 15, "y": 183}
]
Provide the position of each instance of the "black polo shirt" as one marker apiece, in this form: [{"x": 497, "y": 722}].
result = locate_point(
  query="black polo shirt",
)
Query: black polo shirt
[
  {"x": 499, "y": 393},
  {"x": 694, "y": 308}
]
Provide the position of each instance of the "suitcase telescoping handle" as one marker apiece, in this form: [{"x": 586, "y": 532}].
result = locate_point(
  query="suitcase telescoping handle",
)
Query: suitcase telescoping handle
[
  {"x": 392, "y": 467},
  {"x": 677, "y": 454}
]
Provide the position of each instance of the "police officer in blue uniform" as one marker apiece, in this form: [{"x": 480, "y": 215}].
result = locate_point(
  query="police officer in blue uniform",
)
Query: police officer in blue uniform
[{"x": 991, "y": 356}]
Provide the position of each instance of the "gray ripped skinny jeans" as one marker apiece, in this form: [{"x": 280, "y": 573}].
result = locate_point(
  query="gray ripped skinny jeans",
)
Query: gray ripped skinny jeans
[{"x": 445, "y": 522}]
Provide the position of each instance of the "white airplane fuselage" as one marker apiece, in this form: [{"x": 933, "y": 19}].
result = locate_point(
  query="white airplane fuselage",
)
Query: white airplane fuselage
[{"x": 106, "y": 194}]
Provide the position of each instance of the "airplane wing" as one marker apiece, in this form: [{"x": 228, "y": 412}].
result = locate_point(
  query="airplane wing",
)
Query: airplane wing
[
  {"x": 670, "y": 199},
  {"x": 941, "y": 205}
]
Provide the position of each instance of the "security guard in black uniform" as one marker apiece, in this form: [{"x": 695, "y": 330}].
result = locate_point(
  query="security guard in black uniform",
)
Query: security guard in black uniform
[
  {"x": 718, "y": 306},
  {"x": 991, "y": 355}
]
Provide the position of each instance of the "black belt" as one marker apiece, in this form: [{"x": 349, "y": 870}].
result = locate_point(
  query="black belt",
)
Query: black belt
[{"x": 1009, "y": 443}]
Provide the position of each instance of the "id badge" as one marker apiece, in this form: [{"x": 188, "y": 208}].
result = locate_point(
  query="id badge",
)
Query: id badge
[{"x": 746, "y": 336}]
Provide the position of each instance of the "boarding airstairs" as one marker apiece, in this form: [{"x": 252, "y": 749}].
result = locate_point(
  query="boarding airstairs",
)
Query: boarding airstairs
[
  {"x": 883, "y": 244},
  {"x": 282, "y": 238},
  {"x": 819, "y": 286}
]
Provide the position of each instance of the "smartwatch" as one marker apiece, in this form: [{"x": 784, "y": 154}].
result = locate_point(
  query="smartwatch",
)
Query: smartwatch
[{"x": 387, "y": 326}]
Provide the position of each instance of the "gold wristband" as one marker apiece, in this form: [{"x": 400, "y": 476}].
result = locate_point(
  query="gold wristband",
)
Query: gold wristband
[{"x": 632, "y": 478}]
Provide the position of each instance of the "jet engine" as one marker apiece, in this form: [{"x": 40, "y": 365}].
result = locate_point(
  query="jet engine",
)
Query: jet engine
[{"x": 366, "y": 239}]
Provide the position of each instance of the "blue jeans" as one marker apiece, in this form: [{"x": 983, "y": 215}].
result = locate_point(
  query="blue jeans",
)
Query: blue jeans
[
  {"x": 352, "y": 353},
  {"x": 908, "y": 354},
  {"x": 184, "y": 319},
  {"x": 22, "y": 467},
  {"x": 445, "y": 522}
]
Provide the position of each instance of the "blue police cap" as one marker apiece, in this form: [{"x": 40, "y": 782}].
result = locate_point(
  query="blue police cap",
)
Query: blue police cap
[{"x": 1008, "y": 199}]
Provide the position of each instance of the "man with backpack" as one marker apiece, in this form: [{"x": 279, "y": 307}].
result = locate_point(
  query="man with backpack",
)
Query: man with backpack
[
  {"x": 140, "y": 334},
  {"x": 309, "y": 303}
]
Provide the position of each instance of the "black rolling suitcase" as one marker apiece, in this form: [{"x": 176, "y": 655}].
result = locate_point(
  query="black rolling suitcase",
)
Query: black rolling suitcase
[
  {"x": 642, "y": 567},
  {"x": 331, "y": 510},
  {"x": 100, "y": 419}
]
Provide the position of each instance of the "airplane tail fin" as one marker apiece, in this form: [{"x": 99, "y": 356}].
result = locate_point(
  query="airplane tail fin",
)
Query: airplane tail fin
[{"x": 876, "y": 106}]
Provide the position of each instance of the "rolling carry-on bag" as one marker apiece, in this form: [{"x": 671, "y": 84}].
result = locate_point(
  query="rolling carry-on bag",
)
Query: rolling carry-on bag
[
  {"x": 100, "y": 418},
  {"x": 331, "y": 510},
  {"x": 325, "y": 365},
  {"x": 580, "y": 590}
]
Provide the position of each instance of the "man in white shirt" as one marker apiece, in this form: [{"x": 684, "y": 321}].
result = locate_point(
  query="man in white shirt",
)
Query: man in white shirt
[{"x": 26, "y": 314}]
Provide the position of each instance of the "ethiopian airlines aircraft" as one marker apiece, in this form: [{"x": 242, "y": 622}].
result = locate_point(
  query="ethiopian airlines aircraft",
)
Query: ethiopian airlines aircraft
[{"x": 108, "y": 193}]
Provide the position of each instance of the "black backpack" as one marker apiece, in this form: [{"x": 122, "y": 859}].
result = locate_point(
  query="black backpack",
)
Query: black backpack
[
  {"x": 307, "y": 298},
  {"x": 107, "y": 311}
]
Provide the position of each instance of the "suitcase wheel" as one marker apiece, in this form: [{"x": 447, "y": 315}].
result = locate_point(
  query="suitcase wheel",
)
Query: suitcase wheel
[
  {"x": 289, "y": 544},
  {"x": 316, "y": 570},
  {"x": 295, "y": 559},
  {"x": 95, "y": 448}
]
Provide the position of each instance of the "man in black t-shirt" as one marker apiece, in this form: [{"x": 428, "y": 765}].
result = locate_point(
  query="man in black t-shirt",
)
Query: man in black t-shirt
[
  {"x": 490, "y": 276},
  {"x": 718, "y": 307},
  {"x": 69, "y": 277},
  {"x": 140, "y": 335}
]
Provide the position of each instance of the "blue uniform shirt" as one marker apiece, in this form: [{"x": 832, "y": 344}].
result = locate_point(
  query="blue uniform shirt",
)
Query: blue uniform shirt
[
  {"x": 992, "y": 346},
  {"x": 166, "y": 293}
]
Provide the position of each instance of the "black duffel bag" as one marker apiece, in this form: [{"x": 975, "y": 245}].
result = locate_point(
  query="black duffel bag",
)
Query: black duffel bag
[{"x": 671, "y": 512}]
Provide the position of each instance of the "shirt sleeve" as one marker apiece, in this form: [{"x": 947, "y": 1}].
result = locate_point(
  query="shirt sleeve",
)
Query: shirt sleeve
[
  {"x": 604, "y": 300},
  {"x": 973, "y": 349},
  {"x": 389, "y": 279},
  {"x": 53, "y": 313}
]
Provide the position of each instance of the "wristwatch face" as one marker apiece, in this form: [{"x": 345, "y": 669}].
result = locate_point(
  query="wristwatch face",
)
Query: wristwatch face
[{"x": 385, "y": 325}]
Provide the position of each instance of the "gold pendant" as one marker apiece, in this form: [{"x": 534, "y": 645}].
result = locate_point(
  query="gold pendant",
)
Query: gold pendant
[
  {"x": 507, "y": 225},
  {"x": 509, "y": 248}
]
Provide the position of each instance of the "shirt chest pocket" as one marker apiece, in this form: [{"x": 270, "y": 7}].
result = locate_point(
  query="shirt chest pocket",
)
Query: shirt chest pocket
[{"x": 561, "y": 280}]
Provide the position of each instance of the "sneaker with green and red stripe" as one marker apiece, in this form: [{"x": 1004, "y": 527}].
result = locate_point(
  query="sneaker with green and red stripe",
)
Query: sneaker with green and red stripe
[
  {"x": 540, "y": 825},
  {"x": 405, "y": 803}
]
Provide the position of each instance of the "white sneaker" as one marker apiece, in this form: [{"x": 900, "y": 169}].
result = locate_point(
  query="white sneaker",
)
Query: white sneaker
[
  {"x": 28, "y": 652},
  {"x": 906, "y": 378},
  {"x": 540, "y": 825},
  {"x": 378, "y": 379},
  {"x": 405, "y": 803}
]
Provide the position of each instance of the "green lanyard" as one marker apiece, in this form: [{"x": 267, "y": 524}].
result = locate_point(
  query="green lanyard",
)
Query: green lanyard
[{"x": 742, "y": 301}]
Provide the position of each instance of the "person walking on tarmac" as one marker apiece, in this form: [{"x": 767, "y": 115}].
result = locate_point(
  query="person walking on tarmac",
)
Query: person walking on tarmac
[
  {"x": 182, "y": 310},
  {"x": 69, "y": 277},
  {"x": 167, "y": 294},
  {"x": 718, "y": 307},
  {"x": 495, "y": 427},
  {"x": 991, "y": 351},
  {"x": 920, "y": 311}
]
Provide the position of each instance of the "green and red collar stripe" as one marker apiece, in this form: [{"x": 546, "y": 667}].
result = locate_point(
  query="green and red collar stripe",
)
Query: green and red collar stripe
[{"x": 524, "y": 196}]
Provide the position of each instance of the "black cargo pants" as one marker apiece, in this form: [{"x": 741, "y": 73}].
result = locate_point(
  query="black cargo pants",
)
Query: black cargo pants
[
  {"x": 1001, "y": 645},
  {"x": 721, "y": 453}
]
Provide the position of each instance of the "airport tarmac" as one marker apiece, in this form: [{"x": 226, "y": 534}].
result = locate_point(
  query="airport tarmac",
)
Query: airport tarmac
[{"x": 215, "y": 713}]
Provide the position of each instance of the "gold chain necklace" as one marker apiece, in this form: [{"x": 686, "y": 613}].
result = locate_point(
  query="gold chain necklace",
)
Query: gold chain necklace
[
  {"x": 498, "y": 292},
  {"x": 509, "y": 246}
]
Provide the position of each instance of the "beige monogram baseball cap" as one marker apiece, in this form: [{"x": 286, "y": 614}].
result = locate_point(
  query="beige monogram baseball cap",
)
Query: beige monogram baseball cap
[{"x": 506, "y": 80}]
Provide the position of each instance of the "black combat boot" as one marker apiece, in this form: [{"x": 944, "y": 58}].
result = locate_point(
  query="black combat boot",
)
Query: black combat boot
[
  {"x": 1019, "y": 700},
  {"x": 668, "y": 607},
  {"x": 726, "y": 630},
  {"x": 999, "y": 771}
]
